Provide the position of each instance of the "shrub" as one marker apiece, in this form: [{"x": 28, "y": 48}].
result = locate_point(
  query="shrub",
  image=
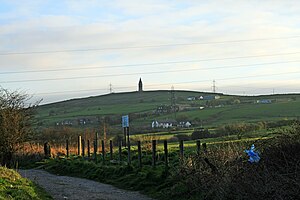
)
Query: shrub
[
  {"x": 16, "y": 118},
  {"x": 200, "y": 134},
  {"x": 183, "y": 137}
]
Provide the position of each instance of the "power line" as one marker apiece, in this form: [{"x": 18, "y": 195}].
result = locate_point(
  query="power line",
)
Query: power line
[
  {"x": 147, "y": 46},
  {"x": 139, "y": 73},
  {"x": 148, "y": 64},
  {"x": 174, "y": 83}
]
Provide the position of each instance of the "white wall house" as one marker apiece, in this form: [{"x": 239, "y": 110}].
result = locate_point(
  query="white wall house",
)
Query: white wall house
[
  {"x": 162, "y": 124},
  {"x": 184, "y": 124}
]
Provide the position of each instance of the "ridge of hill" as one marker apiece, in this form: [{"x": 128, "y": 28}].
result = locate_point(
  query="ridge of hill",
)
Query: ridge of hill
[{"x": 143, "y": 107}]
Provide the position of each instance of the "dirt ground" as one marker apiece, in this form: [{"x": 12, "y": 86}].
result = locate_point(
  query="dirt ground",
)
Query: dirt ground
[{"x": 64, "y": 187}]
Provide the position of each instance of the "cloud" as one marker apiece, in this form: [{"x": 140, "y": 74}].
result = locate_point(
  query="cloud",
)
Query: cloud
[{"x": 38, "y": 26}]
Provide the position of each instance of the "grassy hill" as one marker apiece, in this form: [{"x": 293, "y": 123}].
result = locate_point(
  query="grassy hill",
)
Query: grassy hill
[
  {"x": 141, "y": 106},
  {"x": 13, "y": 186}
]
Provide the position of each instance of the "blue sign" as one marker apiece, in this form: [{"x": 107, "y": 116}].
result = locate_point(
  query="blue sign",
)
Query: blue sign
[{"x": 125, "y": 121}]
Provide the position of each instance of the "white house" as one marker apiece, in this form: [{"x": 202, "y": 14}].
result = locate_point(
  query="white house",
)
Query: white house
[
  {"x": 191, "y": 98},
  {"x": 184, "y": 124},
  {"x": 162, "y": 124}
]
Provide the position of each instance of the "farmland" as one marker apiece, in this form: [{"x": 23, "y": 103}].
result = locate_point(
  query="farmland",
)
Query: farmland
[{"x": 142, "y": 109}]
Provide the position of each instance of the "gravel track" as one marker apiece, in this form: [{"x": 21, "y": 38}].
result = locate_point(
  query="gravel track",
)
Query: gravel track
[{"x": 65, "y": 187}]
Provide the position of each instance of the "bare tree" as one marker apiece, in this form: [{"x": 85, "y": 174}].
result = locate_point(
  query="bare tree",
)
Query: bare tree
[{"x": 15, "y": 122}]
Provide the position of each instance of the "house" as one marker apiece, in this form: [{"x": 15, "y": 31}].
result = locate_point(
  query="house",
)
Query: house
[
  {"x": 84, "y": 121},
  {"x": 264, "y": 101},
  {"x": 163, "y": 109},
  {"x": 191, "y": 98},
  {"x": 184, "y": 124},
  {"x": 163, "y": 124},
  {"x": 209, "y": 97},
  {"x": 64, "y": 123}
]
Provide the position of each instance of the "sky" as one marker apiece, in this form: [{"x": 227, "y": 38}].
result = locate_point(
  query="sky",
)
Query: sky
[{"x": 61, "y": 49}]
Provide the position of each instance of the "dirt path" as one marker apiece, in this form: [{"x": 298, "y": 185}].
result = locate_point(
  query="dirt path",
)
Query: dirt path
[{"x": 65, "y": 187}]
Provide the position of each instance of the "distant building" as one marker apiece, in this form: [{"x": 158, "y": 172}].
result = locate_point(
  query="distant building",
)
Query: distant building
[
  {"x": 264, "y": 101},
  {"x": 163, "y": 109},
  {"x": 191, "y": 98},
  {"x": 140, "y": 85},
  {"x": 64, "y": 123},
  {"x": 209, "y": 97},
  {"x": 163, "y": 124},
  {"x": 184, "y": 124}
]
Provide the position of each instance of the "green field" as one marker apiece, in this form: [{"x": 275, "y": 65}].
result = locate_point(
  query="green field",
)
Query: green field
[{"x": 142, "y": 106}]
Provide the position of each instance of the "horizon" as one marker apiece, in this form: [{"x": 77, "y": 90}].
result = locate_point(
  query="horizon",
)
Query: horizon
[
  {"x": 59, "y": 50},
  {"x": 162, "y": 90}
]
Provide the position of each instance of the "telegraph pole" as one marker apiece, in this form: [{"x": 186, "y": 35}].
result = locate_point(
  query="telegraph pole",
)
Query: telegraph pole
[
  {"x": 173, "y": 101},
  {"x": 214, "y": 86},
  {"x": 110, "y": 88}
]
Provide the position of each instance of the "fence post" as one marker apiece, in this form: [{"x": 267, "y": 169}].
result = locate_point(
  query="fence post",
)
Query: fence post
[
  {"x": 181, "y": 151},
  {"x": 95, "y": 150},
  {"x": 67, "y": 148},
  {"x": 198, "y": 147},
  {"x": 89, "y": 148},
  {"x": 111, "y": 149},
  {"x": 47, "y": 150},
  {"x": 83, "y": 147},
  {"x": 129, "y": 156},
  {"x": 166, "y": 153},
  {"x": 103, "y": 151},
  {"x": 153, "y": 153},
  {"x": 79, "y": 145},
  {"x": 125, "y": 133},
  {"x": 128, "y": 145},
  {"x": 120, "y": 151},
  {"x": 139, "y": 154},
  {"x": 204, "y": 147},
  {"x": 96, "y": 142}
]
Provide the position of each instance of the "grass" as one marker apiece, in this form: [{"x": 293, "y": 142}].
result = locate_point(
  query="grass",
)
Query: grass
[
  {"x": 13, "y": 186},
  {"x": 222, "y": 172},
  {"x": 283, "y": 106}
]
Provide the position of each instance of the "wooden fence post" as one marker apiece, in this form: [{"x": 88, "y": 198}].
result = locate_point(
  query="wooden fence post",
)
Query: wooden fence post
[
  {"x": 83, "y": 147},
  {"x": 198, "y": 147},
  {"x": 95, "y": 150},
  {"x": 128, "y": 145},
  {"x": 129, "y": 156},
  {"x": 111, "y": 149},
  {"x": 89, "y": 148},
  {"x": 125, "y": 133},
  {"x": 166, "y": 153},
  {"x": 204, "y": 147},
  {"x": 120, "y": 151},
  {"x": 67, "y": 148},
  {"x": 181, "y": 151},
  {"x": 103, "y": 151},
  {"x": 47, "y": 150},
  {"x": 96, "y": 142},
  {"x": 153, "y": 153},
  {"x": 139, "y": 154},
  {"x": 79, "y": 145}
]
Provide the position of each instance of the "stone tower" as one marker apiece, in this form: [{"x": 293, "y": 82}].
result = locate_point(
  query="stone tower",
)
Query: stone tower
[{"x": 140, "y": 85}]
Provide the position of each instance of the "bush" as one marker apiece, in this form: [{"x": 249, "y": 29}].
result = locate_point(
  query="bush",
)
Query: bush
[
  {"x": 183, "y": 137},
  {"x": 16, "y": 118},
  {"x": 200, "y": 134}
]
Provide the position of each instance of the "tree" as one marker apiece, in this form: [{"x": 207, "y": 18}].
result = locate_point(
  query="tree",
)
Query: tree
[{"x": 16, "y": 117}]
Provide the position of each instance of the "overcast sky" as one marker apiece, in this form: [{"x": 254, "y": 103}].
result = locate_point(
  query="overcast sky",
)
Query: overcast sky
[{"x": 247, "y": 47}]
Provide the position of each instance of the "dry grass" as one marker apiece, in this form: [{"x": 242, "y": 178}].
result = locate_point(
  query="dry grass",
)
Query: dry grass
[{"x": 224, "y": 172}]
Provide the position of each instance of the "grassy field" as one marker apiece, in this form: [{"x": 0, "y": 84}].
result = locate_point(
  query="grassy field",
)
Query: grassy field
[
  {"x": 144, "y": 104},
  {"x": 221, "y": 172},
  {"x": 13, "y": 186}
]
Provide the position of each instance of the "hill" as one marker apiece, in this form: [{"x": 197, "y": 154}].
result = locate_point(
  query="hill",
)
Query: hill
[{"x": 144, "y": 107}]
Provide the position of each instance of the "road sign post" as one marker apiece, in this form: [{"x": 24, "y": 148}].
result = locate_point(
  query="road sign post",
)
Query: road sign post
[{"x": 125, "y": 125}]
